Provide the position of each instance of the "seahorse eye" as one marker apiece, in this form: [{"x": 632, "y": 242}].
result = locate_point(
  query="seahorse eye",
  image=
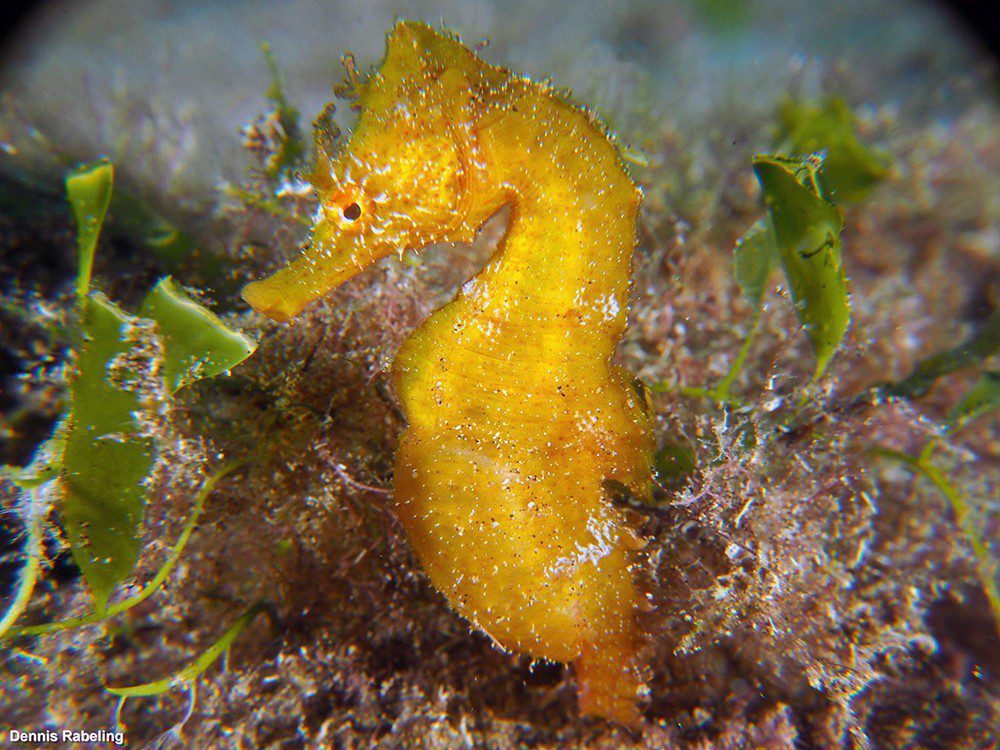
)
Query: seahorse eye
[{"x": 352, "y": 212}]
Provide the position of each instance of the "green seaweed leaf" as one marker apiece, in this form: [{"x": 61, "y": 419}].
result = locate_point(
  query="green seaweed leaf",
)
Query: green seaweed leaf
[
  {"x": 850, "y": 168},
  {"x": 106, "y": 458},
  {"x": 754, "y": 257},
  {"x": 673, "y": 463},
  {"x": 89, "y": 190},
  {"x": 100, "y": 450},
  {"x": 34, "y": 550},
  {"x": 981, "y": 399},
  {"x": 46, "y": 464},
  {"x": 722, "y": 16},
  {"x": 154, "y": 583},
  {"x": 34, "y": 505},
  {"x": 196, "y": 343},
  {"x": 983, "y": 343},
  {"x": 985, "y": 566},
  {"x": 193, "y": 670},
  {"x": 138, "y": 219},
  {"x": 807, "y": 233}
]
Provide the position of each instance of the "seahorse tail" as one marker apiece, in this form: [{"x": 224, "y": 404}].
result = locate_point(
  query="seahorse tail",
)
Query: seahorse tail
[{"x": 609, "y": 676}]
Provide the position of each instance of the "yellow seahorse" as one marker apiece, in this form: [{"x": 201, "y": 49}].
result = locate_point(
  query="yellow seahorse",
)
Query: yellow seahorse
[{"x": 516, "y": 417}]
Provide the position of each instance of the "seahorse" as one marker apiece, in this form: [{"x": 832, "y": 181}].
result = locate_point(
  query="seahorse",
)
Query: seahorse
[{"x": 517, "y": 419}]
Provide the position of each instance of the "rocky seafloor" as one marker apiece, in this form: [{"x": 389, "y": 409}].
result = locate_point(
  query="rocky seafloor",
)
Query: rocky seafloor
[{"x": 804, "y": 592}]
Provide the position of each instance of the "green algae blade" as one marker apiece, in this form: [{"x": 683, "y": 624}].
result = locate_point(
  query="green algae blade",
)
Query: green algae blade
[
  {"x": 983, "y": 343},
  {"x": 33, "y": 508},
  {"x": 722, "y": 16},
  {"x": 153, "y": 585},
  {"x": 106, "y": 458},
  {"x": 673, "y": 463},
  {"x": 196, "y": 344},
  {"x": 754, "y": 256},
  {"x": 850, "y": 168},
  {"x": 46, "y": 464},
  {"x": 193, "y": 670},
  {"x": 137, "y": 218},
  {"x": 100, "y": 450},
  {"x": 34, "y": 552},
  {"x": 985, "y": 565},
  {"x": 89, "y": 190},
  {"x": 807, "y": 233},
  {"x": 981, "y": 399}
]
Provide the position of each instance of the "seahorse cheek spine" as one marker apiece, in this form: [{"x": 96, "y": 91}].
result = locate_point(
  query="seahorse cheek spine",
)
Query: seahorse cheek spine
[{"x": 516, "y": 417}]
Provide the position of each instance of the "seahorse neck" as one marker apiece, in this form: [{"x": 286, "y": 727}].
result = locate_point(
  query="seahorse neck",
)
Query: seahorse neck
[{"x": 565, "y": 259}]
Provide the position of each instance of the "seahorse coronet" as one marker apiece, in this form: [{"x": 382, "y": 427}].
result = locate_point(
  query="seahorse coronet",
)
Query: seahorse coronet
[{"x": 516, "y": 416}]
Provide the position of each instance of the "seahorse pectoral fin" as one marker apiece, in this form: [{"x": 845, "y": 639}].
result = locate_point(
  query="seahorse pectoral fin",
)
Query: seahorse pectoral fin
[{"x": 330, "y": 260}]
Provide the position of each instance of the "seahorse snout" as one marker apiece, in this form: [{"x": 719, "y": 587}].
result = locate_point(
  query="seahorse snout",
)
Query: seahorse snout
[{"x": 267, "y": 299}]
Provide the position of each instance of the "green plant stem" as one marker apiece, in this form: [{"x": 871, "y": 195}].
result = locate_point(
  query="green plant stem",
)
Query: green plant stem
[
  {"x": 721, "y": 390},
  {"x": 29, "y": 573},
  {"x": 195, "y": 668},
  {"x": 154, "y": 583},
  {"x": 963, "y": 517}
]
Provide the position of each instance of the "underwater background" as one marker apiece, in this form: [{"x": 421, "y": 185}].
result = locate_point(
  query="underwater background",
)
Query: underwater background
[{"x": 822, "y": 558}]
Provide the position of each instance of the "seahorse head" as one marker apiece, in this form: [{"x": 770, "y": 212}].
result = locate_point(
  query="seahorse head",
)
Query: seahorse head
[{"x": 406, "y": 177}]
